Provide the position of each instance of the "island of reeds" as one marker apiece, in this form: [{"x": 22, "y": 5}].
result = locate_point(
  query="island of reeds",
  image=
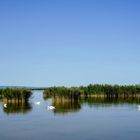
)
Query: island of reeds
[
  {"x": 71, "y": 99},
  {"x": 104, "y": 91},
  {"x": 14, "y": 95}
]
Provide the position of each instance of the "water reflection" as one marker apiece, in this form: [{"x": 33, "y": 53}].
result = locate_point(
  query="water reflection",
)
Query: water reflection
[
  {"x": 16, "y": 108},
  {"x": 92, "y": 101},
  {"x": 65, "y": 105},
  {"x": 102, "y": 121}
]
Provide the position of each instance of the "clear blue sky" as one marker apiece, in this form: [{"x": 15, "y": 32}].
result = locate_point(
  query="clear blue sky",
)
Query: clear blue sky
[{"x": 69, "y": 42}]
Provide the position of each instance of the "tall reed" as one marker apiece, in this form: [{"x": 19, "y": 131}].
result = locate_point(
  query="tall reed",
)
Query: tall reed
[
  {"x": 108, "y": 91},
  {"x": 12, "y": 94}
]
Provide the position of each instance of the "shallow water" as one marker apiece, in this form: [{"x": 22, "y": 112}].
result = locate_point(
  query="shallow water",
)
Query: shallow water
[{"x": 69, "y": 121}]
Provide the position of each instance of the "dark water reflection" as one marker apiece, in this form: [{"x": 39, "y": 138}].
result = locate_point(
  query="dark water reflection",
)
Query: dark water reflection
[
  {"x": 15, "y": 108},
  {"x": 66, "y": 105},
  {"x": 82, "y": 119},
  {"x": 92, "y": 101}
]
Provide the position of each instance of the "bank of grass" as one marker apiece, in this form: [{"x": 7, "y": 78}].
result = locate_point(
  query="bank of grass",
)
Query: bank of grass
[
  {"x": 106, "y": 91},
  {"x": 15, "y": 94}
]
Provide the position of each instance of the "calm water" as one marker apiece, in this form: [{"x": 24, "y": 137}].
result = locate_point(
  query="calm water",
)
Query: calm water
[{"x": 70, "y": 121}]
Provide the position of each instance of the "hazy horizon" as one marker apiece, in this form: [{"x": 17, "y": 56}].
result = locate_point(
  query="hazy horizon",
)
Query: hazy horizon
[{"x": 69, "y": 43}]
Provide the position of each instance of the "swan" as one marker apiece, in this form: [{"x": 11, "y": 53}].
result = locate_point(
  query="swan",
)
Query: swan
[
  {"x": 5, "y": 105},
  {"x": 37, "y": 103},
  {"x": 138, "y": 107},
  {"x": 51, "y": 107}
]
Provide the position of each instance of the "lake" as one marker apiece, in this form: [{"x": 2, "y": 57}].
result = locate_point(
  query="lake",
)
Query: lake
[{"x": 84, "y": 120}]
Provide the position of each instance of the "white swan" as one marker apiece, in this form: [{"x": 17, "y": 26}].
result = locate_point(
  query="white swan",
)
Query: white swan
[
  {"x": 5, "y": 105},
  {"x": 138, "y": 106},
  {"x": 37, "y": 103},
  {"x": 51, "y": 107}
]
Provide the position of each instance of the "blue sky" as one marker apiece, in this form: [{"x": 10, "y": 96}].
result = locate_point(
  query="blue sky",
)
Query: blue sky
[{"x": 70, "y": 43}]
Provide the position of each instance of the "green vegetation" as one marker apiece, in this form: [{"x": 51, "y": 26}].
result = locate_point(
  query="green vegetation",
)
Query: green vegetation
[
  {"x": 107, "y": 91},
  {"x": 64, "y": 105},
  {"x": 15, "y": 94},
  {"x": 71, "y": 99}
]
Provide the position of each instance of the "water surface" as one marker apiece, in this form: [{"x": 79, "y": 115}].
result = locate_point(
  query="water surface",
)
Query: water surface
[{"x": 82, "y": 120}]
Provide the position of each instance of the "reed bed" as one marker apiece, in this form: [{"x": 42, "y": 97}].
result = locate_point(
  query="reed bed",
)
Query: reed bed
[
  {"x": 15, "y": 94},
  {"x": 102, "y": 91}
]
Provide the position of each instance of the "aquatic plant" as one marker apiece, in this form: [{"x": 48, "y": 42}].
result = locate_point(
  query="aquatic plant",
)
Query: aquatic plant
[
  {"x": 15, "y": 94},
  {"x": 108, "y": 91}
]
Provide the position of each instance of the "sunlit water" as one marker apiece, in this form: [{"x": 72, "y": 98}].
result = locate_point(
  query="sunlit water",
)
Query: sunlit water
[{"x": 70, "y": 122}]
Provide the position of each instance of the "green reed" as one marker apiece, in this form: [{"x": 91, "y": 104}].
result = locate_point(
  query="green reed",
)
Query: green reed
[
  {"x": 108, "y": 91},
  {"x": 13, "y": 94}
]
